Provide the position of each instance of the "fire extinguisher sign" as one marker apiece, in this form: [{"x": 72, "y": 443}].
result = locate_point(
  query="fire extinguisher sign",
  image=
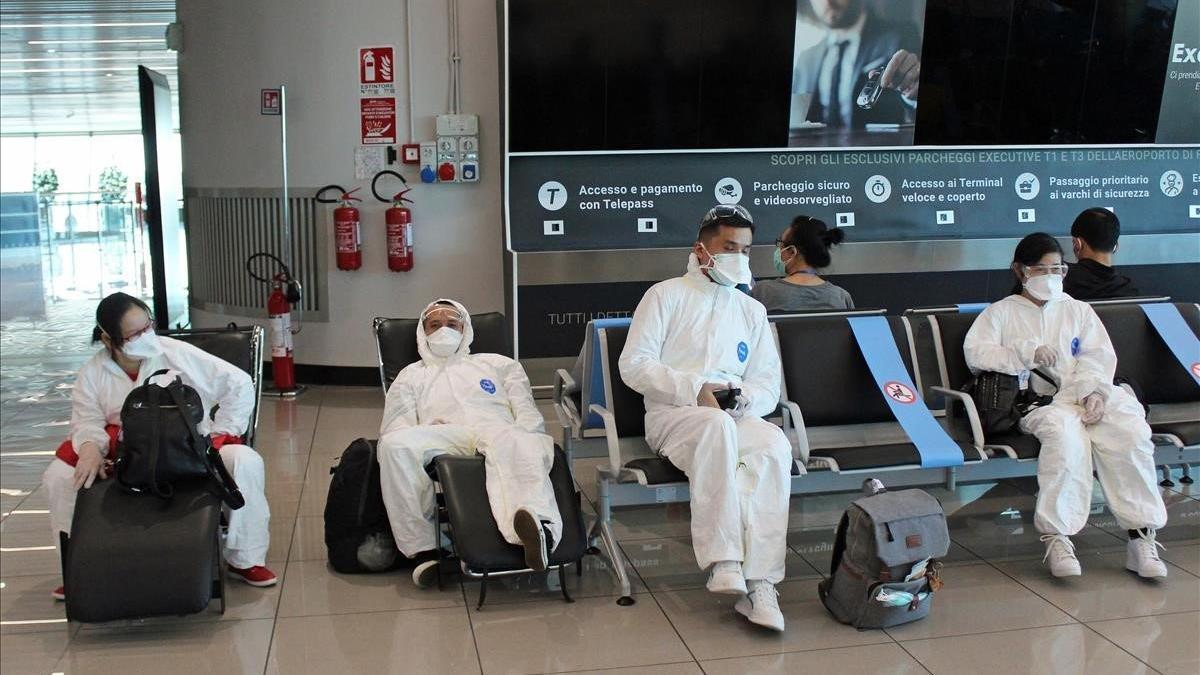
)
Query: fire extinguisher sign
[
  {"x": 377, "y": 71},
  {"x": 378, "y": 116}
]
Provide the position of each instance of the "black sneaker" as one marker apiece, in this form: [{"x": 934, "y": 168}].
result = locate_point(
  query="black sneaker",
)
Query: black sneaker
[
  {"x": 533, "y": 538},
  {"x": 425, "y": 574}
]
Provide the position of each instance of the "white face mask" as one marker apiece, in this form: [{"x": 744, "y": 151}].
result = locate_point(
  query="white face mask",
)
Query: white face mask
[
  {"x": 1045, "y": 287},
  {"x": 728, "y": 269},
  {"x": 142, "y": 347},
  {"x": 444, "y": 342}
]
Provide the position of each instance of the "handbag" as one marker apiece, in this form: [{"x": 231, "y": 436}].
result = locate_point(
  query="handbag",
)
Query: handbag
[
  {"x": 1000, "y": 401},
  {"x": 161, "y": 444}
]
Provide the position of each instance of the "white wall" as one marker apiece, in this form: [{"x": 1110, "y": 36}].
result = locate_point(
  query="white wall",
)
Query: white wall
[{"x": 232, "y": 49}]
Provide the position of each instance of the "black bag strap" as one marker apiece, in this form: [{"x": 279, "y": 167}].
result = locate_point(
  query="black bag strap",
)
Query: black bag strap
[
  {"x": 1046, "y": 376},
  {"x": 227, "y": 488},
  {"x": 839, "y": 544}
]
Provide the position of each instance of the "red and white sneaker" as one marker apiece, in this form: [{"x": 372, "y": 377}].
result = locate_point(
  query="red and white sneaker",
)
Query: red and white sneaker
[
  {"x": 59, "y": 593},
  {"x": 255, "y": 576}
]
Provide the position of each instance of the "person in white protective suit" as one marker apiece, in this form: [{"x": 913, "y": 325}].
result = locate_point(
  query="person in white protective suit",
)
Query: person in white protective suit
[
  {"x": 1090, "y": 423},
  {"x": 692, "y": 337},
  {"x": 453, "y": 401},
  {"x": 132, "y": 351}
]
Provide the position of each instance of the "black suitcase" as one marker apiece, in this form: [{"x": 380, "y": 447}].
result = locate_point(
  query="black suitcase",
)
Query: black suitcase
[
  {"x": 130, "y": 556},
  {"x": 354, "y": 509},
  {"x": 477, "y": 540}
]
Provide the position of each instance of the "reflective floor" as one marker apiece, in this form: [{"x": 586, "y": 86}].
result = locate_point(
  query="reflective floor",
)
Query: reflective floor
[{"x": 999, "y": 613}]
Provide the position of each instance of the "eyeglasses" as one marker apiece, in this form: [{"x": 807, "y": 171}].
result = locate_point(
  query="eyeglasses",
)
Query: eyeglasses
[
  {"x": 141, "y": 331},
  {"x": 727, "y": 211},
  {"x": 1059, "y": 269}
]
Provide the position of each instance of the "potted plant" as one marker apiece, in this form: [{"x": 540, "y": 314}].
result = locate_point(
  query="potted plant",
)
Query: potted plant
[
  {"x": 114, "y": 185},
  {"x": 45, "y": 184}
]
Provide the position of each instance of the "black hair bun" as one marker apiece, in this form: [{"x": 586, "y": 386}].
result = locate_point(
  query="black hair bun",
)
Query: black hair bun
[{"x": 833, "y": 237}]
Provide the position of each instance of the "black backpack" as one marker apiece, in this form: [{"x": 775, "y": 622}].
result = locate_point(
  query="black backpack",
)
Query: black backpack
[
  {"x": 1001, "y": 402},
  {"x": 160, "y": 444},
  {"x": 357, "y": 532}
]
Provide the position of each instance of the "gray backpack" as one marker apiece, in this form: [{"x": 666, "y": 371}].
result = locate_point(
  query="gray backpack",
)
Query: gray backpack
[{"x": 885, "y": 568}]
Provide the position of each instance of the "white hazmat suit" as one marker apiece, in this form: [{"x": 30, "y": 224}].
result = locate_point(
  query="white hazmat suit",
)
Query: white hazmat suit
[
  {"x": 486, "y": 404},
  {"x": 101, "y": 389},
  {"x": 688, "y": 331},
  {"x": 1003, "y": 339}
]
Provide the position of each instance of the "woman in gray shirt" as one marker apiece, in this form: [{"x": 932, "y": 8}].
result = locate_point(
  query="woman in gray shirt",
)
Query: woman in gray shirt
[{"x": 800, "y": 251}]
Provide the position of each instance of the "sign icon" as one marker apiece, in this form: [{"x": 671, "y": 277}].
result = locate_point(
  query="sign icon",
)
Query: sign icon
[
  {"x": 271, "y": 103},
  {"x": 1196, "y": 369},
  {"x": 1026, "y": 215},
  {"x": 552, "y": 227},
  {"x": 552, "y": 195},
  {"x": 1194, "y": 211},
  {"x": 899, "y": 392},
  {"x": 878, "y": 188},
  {"x": 845, "y": 219},
  {"x": 377, "y": 118},
  {"x": 1171, "y": 183},
  {"x": 728, "y": 191},
  {"x": 647, "y": 225},
  {"x": 1028, "y": 186},
  {"x": 375, "y": 65},
  {"x": 945, "y": 217}
]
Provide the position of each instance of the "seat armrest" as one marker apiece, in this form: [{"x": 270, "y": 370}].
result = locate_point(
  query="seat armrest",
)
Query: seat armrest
[
  {"x": 793, "y": 420},
  {"x": 563, "y": 382},
  {"x": 969, "y": 405},
  {"x": 610, "y": 436}
]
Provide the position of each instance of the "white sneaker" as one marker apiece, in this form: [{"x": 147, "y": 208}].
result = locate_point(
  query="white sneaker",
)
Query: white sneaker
[
  {"x": 1141, "y": 556},
  {"x": 425, "y": 574},
  {"x": 761, "y": 606},
  {"x": 1060, "y": 556},
  {"x": 726, "y": 578}
]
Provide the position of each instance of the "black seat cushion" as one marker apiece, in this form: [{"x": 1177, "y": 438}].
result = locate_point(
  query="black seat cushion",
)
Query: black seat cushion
[
  {"x": 882, "y": 456},
  {"x": 132, "y": 556},
  {"x": 477, "y": 539},
  {"x": 397, "y": 340},
  {"x": 660, "y": 470},
  {"x": 1188, "y": 432},
  {"x": 1026, "y": 446}
]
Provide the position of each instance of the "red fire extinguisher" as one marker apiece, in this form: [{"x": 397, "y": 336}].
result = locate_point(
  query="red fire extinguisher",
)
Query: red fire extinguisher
[
  {"x": 279, "y": 310},
  {"x": 399, "y": 234},
  {"x": 399, "y": 224},
  {"x": 285, "y": 292},
  {"x": 347, "y": 236}
]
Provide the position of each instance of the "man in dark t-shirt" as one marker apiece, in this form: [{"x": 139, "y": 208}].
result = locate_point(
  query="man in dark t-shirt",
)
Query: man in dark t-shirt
[{"x": 1094, "y": 237}]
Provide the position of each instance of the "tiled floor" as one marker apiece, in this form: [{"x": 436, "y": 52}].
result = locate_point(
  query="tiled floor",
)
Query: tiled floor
[{"x": 999, "y": 612}]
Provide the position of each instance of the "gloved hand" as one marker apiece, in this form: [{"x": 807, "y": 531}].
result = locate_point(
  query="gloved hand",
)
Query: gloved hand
[
  {"x": 706, "y": 398},
  {"x": 741, "y": 403},
  {"x": 1093, "y": 408},
  {"x": 1045, "y": 356}
]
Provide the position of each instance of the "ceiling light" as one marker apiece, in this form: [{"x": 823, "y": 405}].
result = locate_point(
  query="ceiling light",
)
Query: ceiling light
[
  {"x": 83, "y": 25},
  {"x": 106, "y": 69},
  {"x": 89, "y": 57},
  {"x": 95, "y": 42}
]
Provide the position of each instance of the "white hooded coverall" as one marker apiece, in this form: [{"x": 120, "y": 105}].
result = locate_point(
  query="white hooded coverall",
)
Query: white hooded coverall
[
  {"x": 1003, "y": 339},
  {"x": 101, "y": 389},
  {"x": 688, "y": 331},
  {"x": 487, "y": 405}
]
